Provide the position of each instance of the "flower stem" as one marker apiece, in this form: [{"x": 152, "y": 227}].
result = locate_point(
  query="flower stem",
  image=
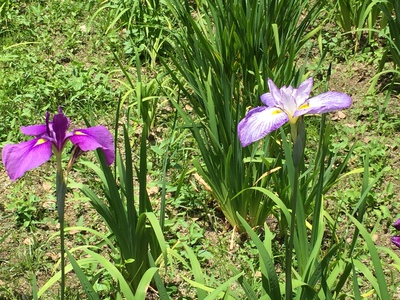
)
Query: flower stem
[
  {"x": 289, "y": 247},
  {"x": 298, "y": 135},
  {"x": 293, "y": 131},
  {"x": 61, "y": 190}
]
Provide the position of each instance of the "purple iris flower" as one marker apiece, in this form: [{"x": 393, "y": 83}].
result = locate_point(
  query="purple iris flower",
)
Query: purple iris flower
[
  {"x": 52, "y": 136},
  {"x": 396, "y": 239},
  {"x": 286, "y": 105}
]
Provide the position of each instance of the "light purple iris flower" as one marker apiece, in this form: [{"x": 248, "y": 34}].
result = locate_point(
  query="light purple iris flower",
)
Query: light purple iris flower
[
  {"x": 286, "y": 105},
  {"x": 396, "y": 239},
  {"x": 52, "y": 136}
]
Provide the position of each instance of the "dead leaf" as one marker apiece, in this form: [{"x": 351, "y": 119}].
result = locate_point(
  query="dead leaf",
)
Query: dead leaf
[
  {"x": 52, "y": 256},
  {"x": 339, "y": 115},
  {"x": 28, "y": 241},
  {"x": 152, "y": 190},
  {"x": 72, "y": 232},
  {"x": 267, "y": 173},
  {"x": 202, "y": 182},
  {"x": 46, "y": 186},
  {"x": 375, "y": 237},
  {"x": 83, "y": 28}
]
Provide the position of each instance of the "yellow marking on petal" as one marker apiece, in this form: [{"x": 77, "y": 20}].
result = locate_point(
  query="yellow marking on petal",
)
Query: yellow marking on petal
[
  {"x": 39, "y": 142},
  {"x": 79, "y": 133},
  {"x": 276, "y": 111},
  {"x": 304, "y": 106}
]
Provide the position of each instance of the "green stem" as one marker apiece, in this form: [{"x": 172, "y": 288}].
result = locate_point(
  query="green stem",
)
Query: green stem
[
  {"x": 61, "y": 190},
  {"x": 293, "y": 131},
  {"x": 289, "y": 248},
  {"x": 298, "y": 135}
]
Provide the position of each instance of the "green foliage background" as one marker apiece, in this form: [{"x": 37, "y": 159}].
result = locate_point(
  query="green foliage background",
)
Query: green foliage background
[{"x": 172, "y": 79}]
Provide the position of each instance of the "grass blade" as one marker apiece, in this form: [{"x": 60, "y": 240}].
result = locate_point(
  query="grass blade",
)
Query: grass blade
[
  {"x": 87, "y": 286},
  {"x": 144, "y": 283},
  {"x": 271, "y": 285},
  {"x": 197, "y": 272},
  {"x": 114, "y": 272},
  {"x": 382, "y": 288}
]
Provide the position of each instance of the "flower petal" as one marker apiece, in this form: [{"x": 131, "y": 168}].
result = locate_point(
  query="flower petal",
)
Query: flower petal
[
  {"x": 35, "y": 130},
  {"x": 396, "y": 240},
  {"x": 323, "y": 103},
  {"x": 60, "y": 126},
  {"x": 397, "y": 224},
  {"x": 276, "y": 96},
  {"x": 259, "y": 122},
  {"x": 302, "y": 93},
  {"x": 268, "y": 100},
  {"x": 19, "y": 158},
  {"x": 95, "y": 137}
]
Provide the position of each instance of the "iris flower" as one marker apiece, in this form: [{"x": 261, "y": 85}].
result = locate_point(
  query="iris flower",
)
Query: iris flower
[
  {"x": 396, "y": 239},
  {"x": 52, "y": 137},
  {"x": 286, "y": 105}
]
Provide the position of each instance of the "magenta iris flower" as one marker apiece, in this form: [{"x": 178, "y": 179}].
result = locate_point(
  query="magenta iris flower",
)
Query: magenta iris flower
[
  {"x": 52, "y": 136},
  {"x": 286, "y": 105},
  {"x": 396, "y": 239}
]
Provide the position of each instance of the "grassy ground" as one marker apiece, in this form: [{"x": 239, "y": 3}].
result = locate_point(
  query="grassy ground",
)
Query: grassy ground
[{"x": 56, "y": 53}]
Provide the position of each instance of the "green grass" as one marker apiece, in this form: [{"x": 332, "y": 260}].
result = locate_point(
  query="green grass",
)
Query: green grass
[{"x": 64, "y": 53}]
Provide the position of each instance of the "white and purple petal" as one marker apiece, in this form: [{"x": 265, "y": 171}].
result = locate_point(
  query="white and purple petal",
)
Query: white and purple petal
[
  {"x": 289, "y": 104},
  {"x": 323, "y": 103},
  {"x": 302, "y": 93},
  {"x": 19, "y": 158},
  {"x": 268, "y": 100},
  {"x": 259, "y": 122},
  {"x": 95, "y": 137},
  {"x": 276, "y": 94}
]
